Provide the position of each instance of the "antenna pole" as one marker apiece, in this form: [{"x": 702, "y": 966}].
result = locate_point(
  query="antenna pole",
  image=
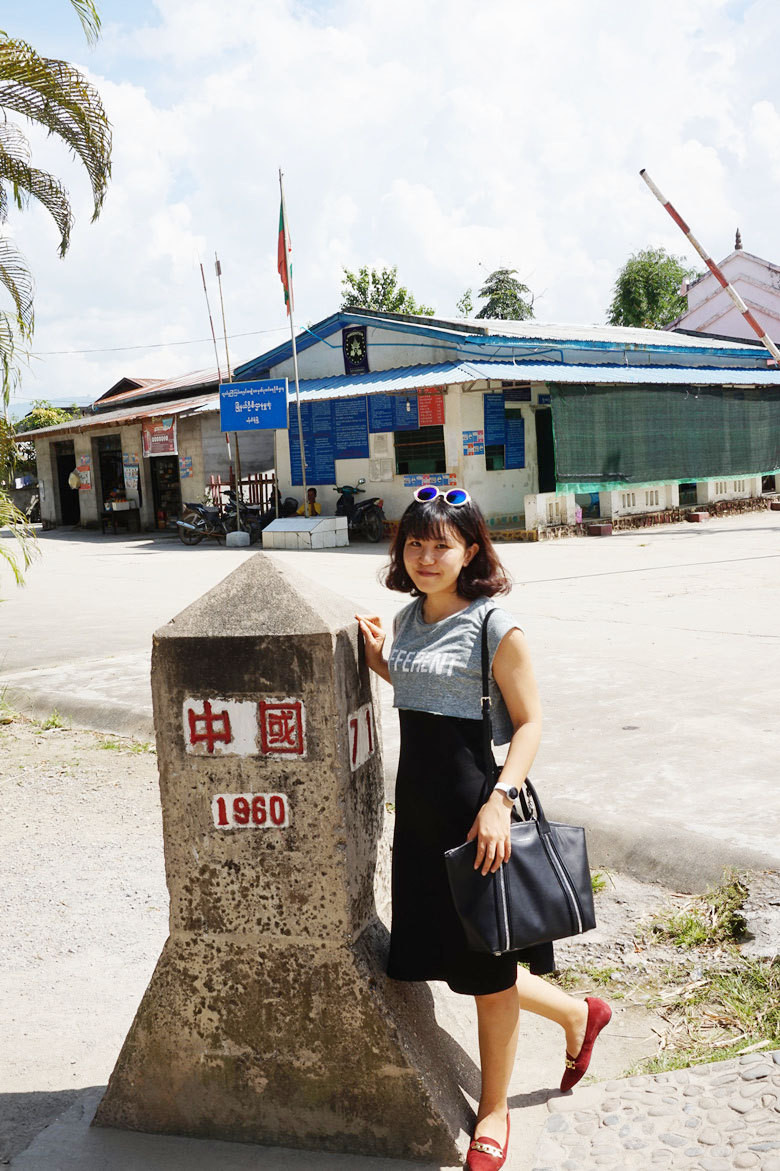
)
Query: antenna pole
[{"x": 239, "y": 495}]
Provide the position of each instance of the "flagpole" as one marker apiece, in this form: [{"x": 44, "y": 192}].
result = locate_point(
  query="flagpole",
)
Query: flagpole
[
  {"x": 294, "y": 349},
  {"x": 239, "y": 495}
]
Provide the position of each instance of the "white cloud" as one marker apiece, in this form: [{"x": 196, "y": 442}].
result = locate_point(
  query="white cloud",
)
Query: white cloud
[{"x": 446, "y": 138}]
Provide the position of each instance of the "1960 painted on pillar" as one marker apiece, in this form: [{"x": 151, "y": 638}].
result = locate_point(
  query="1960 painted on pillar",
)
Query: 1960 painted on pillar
[
  {"x": 250, "y": 811},
  {"x": 244, "y": 727}
]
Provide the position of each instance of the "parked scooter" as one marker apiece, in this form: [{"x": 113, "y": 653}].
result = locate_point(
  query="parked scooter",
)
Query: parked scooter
[
  {"x": 205, "y": 520},
  {"x": 366, "y": 518},
  {"x": 199, "y": 521}
]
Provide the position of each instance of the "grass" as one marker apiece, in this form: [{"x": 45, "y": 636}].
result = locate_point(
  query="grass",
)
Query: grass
[
  {"x": 586, "y": 976},
  {"x": 714, "y": 919},
  {"x": 55, "y": 720},
  {"x": 598, "y": 881},
  {"x": 725, "y": 1013},
  {"x": 137, "y": 746}
]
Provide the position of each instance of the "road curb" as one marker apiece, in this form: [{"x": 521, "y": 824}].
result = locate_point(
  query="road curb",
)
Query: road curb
[
  {"x": 650, "y": 851},
  {"x": 121, "y": 719}
]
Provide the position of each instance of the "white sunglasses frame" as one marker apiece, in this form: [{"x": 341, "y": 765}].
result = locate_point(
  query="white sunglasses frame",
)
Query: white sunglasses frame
[{"x": 442, "y": 492}]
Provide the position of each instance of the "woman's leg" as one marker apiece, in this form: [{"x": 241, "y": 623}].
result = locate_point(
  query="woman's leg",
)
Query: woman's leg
[
  {"x": 539, "y": 996},
  {"x": 498, "y": 1016}
]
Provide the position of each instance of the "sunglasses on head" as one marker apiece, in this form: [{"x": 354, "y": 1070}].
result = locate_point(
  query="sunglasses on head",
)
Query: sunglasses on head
[{"x": 454, "y": 496}]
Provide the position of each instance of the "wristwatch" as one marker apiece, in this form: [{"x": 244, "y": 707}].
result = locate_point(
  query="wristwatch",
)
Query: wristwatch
[{"x": 510, "y": 791}]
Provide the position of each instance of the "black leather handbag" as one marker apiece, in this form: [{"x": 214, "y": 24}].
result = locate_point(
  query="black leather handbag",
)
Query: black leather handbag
[{"x": 543, "y": 892}]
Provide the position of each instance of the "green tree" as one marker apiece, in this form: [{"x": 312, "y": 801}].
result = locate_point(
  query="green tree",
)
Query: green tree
[
  {"x": 647, "y": 289},
  {"x": 379, "y": 289},
  {"x": 54, "y": 95},
  {"x": 465, "y": 305},
  {"x": 41, "y": 414},
  {"x": 508, "y": 299}
]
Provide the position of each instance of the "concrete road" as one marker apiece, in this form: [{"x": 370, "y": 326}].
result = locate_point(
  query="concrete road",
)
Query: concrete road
[{"x": 656, "y": 653}]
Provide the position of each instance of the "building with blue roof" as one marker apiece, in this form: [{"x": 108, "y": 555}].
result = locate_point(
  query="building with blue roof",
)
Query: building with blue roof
[{"x": 535, "y": 420}]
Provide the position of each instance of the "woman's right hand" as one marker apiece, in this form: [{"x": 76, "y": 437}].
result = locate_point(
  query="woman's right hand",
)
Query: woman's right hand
[{"x": 374, "y": 641}]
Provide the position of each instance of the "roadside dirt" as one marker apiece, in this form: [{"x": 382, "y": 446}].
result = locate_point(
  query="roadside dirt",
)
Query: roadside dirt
[{"x": 85, "y": 910}]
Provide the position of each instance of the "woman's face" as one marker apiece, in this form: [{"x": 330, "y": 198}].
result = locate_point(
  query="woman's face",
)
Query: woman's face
[{"x": 434, "y": 563}]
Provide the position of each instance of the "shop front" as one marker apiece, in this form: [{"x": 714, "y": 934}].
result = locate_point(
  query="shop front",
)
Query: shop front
[{"x": 159, "y": 440}]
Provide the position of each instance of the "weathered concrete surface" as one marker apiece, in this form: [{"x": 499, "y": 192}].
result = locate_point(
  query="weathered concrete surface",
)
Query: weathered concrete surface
[{"x": 268, "y": 1018}]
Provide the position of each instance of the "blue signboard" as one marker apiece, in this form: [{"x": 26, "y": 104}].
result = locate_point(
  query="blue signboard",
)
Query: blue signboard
[
  {"x": 252, "y": 406},
  {"x": 317, "y": 423},
  {"x": 393, "y": 412},
  {"x": 495, "y": 424},
  {"x": 350, "y": 428},
  {"x": 514, "y": 450}
]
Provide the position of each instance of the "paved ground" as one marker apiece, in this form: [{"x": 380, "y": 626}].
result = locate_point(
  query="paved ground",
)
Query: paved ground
[
  {"x": 709, "y": 1118},
  {"x": 718, "y": 1117},
  {"x": 655, "y": 650}
]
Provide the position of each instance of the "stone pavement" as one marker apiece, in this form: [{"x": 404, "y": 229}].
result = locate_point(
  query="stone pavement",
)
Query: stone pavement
[
  {"x": 717, "y": 1117},
  {"x": 707, "y": 1118}
]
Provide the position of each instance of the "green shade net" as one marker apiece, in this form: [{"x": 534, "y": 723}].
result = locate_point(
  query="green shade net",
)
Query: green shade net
[{"x": 610, "y": 436}]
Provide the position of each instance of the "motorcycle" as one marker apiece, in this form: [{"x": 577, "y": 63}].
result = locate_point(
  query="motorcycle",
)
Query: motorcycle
[
  {"x": 204, "y": 520},
  {"x": 199, "y": 521},
  {"x": 364, "y": 518}
]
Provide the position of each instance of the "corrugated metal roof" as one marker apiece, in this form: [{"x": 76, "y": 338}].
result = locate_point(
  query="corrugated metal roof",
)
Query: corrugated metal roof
[
  {"x": 537, "y": 331},
  {"x": 409, "y": 378},
  {"x": 159, "y": 387},
  {"x": 128, "y": 415},
  {"x": 454, "y": 373},
  {"x": 461, "y": 335}
]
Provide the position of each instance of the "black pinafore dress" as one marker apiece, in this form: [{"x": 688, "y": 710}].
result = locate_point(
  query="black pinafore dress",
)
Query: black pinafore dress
[{"x": 441, "y": 771}]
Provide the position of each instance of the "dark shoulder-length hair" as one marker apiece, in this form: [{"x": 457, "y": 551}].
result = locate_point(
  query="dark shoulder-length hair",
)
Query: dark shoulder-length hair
[{"x": 484, "y": 575}]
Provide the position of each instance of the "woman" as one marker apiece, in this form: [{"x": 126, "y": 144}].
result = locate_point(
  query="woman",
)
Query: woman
[{"x": 442, "y": 556}]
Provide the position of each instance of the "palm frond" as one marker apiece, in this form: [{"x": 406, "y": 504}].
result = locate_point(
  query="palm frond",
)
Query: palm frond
[
  {"x": 28, "y": 182},
  {"x": 90, "y": 19},
  {"x": 19, "y": 555},
  {"x": 59, "y": 98},
  {"x": 15, "y": 275},
  {"x": 14, "y": 142},
  {"x": 10, "y": 375}
]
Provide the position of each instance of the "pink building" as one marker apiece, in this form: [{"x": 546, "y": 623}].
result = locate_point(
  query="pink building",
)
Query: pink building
[{"x": 711, "y": 310}]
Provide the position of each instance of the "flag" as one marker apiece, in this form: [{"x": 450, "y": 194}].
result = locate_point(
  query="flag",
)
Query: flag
[{"x": 283, "y": 262}]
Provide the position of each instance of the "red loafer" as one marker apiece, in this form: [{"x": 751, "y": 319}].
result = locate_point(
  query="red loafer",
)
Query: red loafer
[
  {"x": 485, "y": 1154},
  {"x": 599, "y": 1014}
]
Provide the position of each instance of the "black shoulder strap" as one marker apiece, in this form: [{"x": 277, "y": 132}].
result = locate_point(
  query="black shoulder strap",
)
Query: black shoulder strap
[
  {"x": 487, "y": 725},
  {"x": 491, "y": 769}
]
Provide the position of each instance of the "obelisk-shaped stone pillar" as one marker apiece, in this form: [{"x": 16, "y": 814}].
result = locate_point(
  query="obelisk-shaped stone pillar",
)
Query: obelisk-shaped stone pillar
[{"x": 269, "y": 1018}]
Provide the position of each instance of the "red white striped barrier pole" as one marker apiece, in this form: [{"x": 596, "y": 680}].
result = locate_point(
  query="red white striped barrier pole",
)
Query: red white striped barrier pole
[{"x": 712, "y": 266}]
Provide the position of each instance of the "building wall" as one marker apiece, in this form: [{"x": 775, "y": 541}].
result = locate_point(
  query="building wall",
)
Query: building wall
[
  {"x": 387, "y": 349},
  {"x": 51, "y": 512},
  {"x": 711, "y": 310},
  {"x": 255, "y": 447},
  {"x": 498, "y": 493}
]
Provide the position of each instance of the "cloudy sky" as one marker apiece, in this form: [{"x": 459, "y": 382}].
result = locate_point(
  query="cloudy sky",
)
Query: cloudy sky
[{"x": 448, "y": 138}]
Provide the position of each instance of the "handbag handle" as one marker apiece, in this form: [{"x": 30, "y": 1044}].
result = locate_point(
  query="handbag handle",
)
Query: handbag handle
[{"x": 491, "y": 770}]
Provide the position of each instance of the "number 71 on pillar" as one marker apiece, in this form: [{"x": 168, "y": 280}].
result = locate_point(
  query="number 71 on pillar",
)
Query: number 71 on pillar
[{"x": 362, "y": 736}]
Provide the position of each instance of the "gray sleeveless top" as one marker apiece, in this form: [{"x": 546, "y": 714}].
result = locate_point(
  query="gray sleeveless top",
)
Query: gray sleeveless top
[{"x": 436, "y": 667}]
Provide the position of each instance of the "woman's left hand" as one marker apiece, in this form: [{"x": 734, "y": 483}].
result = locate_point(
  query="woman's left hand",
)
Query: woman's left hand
[{"x": 491, "y": 829}]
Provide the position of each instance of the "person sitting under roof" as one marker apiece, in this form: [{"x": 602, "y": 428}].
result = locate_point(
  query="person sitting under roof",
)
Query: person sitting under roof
[{"x": 312, "y": 507}]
